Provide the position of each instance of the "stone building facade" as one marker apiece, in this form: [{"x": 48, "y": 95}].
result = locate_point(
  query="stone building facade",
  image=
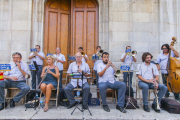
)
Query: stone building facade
[{"x": 143, "y": 24}]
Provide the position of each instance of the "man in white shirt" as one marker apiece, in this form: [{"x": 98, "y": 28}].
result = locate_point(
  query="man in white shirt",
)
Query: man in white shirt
[
  {"x": 106, "y": 80},
  {"x": 96, "y": 62},
  {"x": 162, "y": 61},
  {"x": 127, "y": 60},
  {"x": 60, "y": 60},
  {"x": 85, "y": 57},
  {"x": 38, "y": 58},
  {"x": 82, "y": 68},
  {"x": 148, "y": 77},
  {"x": 16, "y": 79}
]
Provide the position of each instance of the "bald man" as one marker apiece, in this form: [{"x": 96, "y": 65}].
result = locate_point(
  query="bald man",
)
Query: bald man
[{"x": 81, "y": 67}]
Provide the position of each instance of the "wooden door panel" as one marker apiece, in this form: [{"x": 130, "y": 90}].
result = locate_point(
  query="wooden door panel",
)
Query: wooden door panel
[
  {"x": 84, "y": 27},
  {"x": 53, "y": 22}
]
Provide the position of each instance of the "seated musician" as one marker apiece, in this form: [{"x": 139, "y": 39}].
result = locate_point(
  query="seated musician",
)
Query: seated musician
[
  {"x": 148, "y": 76},
  {"x": 16, "y": 79},
  {"x": 81, "y": 67},
  {"x": 106, "y": 80},
  {"x": 51, "y": 75}
]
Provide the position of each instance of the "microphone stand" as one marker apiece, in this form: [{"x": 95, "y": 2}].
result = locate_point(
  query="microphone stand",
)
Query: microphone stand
[{"x": 81, "y": 99}]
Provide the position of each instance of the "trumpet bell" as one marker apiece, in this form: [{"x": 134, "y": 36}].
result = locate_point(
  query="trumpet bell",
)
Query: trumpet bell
[
  {"x": 118, "y": 73},
  {"x": 82, "y": 53},
  {"x": 134, "y": 53}
]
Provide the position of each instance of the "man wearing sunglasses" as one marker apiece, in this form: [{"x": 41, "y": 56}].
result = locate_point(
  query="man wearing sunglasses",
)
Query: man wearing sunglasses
[
  {"x": 162, "y": 60},
  {"x": 16, "y": 79}
]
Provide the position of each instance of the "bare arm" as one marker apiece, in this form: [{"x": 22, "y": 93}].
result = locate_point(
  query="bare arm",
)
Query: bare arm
[
  {"x": 102, "y": 72},
  {"x": 61, "y": 61},
  {"x": 30, "y": 57},
  {"x": 43, "y": 71},
  {"x": 86, "y": 58},
  {"x": 122, "y": 60},
  {"x": 40, "y": 56},
  {"x": 158, "y": 67},
  {"x": 176, "y": 53},
  {"x": 56, "y": 74},
  {"x": 134, "y": 59}
]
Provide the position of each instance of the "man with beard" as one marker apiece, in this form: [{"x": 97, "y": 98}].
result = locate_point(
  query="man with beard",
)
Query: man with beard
[
  {"x": 162, "y": 60},
  {"x": 148, "y": 76},
  {"x": 106, "y": 80}
]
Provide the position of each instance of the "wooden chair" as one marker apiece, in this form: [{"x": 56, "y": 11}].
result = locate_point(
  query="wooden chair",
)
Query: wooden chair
[
  {"x": 12, "y": 92},
  {"x": 114, "y": 96},
  {"x": 57, "y": 93},
  {"x": 138, "y": 90}
]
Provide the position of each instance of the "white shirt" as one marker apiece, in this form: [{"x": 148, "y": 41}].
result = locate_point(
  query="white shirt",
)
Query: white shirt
[
  {"x": 83, "y": 59},
  {"x": 73, "y": 68},
  {"x": 16, "y": 72},
  {"x": 147, "y": 72},
  {"x": 162, "y": 61},
  {"x": 38, "y": 60},
  {"x": 108, "y": 75},
  {"x": 59, "y": 57},
  {"x": 128, "y": 60},
  {"x": 96, "y": 63}
]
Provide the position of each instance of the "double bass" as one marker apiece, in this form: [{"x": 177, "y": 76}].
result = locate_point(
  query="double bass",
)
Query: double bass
[{"x": 173, "y": 67}]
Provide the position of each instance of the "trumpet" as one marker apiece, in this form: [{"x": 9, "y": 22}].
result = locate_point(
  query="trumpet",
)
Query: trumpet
[
  {"x": 83, "y": 53},
  {"x": 133, "y": 53},
  {"x": 156, "y": 97},
  {"x": 117, "y": 72},
  {"x": 99, "y": 53}
]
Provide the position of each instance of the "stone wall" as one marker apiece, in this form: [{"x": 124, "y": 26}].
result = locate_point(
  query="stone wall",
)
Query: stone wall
[{"x": 143, "y": 24}]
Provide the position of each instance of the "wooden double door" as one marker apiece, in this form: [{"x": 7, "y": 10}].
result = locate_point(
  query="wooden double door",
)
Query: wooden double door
[{"x": 70, "y": 24}]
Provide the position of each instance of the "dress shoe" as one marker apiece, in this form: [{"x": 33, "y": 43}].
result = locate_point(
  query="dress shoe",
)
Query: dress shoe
[
  {"x": 85, "y": 107},
  {"x": 146, "y": 108},
  {"x": 12, "y": 103},
  {"x": 166, "y": 95},
  {"x": 2, "y": 106},
  {"x": 72, "y": 105},
  {"x": 154, "y": 107},
  {"x": 177, "y": 97},
  {"x": 121, "y": 109},
  {"x": 106, "y": 108}
]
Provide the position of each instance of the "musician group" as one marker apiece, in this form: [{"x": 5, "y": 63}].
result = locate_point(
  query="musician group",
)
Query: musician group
[{"x": 148, "y": 76}]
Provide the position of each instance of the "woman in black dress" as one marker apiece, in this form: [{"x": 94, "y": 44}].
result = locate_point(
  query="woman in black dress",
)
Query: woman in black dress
[{"x": 50, "y": 80}]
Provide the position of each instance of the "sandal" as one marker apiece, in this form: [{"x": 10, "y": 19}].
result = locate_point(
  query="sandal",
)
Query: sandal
[
  {"x": 44, "y": 100},
  {"x": 46, "y": 108}
]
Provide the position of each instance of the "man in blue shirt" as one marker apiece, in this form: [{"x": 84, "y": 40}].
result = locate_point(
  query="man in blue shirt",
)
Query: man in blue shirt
[
  {"x": 162, "y": 61},
  {"x": 148, "y": 79}
]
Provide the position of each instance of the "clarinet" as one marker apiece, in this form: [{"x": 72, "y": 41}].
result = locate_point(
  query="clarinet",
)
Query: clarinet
[{"x": 42, "y": 78}]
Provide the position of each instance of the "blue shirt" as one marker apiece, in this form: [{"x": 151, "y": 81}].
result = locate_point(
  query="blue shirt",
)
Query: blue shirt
[
  {"x": 108, "y": 75},
  {"x": 73, "y": 68},
  {"x": 162, "y": 61},
  {"x": 147, "y": 72}
]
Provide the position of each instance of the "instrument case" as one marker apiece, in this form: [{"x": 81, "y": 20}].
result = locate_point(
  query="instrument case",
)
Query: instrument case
[{"x": 172, "y": 106}]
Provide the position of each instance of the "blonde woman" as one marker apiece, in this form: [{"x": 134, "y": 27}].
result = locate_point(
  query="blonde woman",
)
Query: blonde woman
[{"x": 50, "y": 81}]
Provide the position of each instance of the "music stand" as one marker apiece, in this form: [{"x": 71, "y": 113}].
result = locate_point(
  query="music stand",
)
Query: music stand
[
  {"x": 129, "y": 101},
  {"x": 82, "y": 97}
]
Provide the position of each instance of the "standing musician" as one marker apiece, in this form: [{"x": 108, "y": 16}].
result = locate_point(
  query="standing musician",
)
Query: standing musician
[
  {"x": 51, "y": 75},
  {"x": 38, "y": 58},
  {"x": 96, "y": 62},
  {"x": 148, "y": 76},
  {"x": 16, "y": 79},
  {"x": 162, "y": 60},
  {"x": 60, "y": 60},
  {"x": 126, "y": 59},
  {"x": 106, "y": 80},
  {"x": 83, "y": 68},
  {"x": 85, "y": 57}
]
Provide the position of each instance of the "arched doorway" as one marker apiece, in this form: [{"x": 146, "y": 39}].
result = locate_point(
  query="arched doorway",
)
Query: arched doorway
[{"x": 70, "y": 24}]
